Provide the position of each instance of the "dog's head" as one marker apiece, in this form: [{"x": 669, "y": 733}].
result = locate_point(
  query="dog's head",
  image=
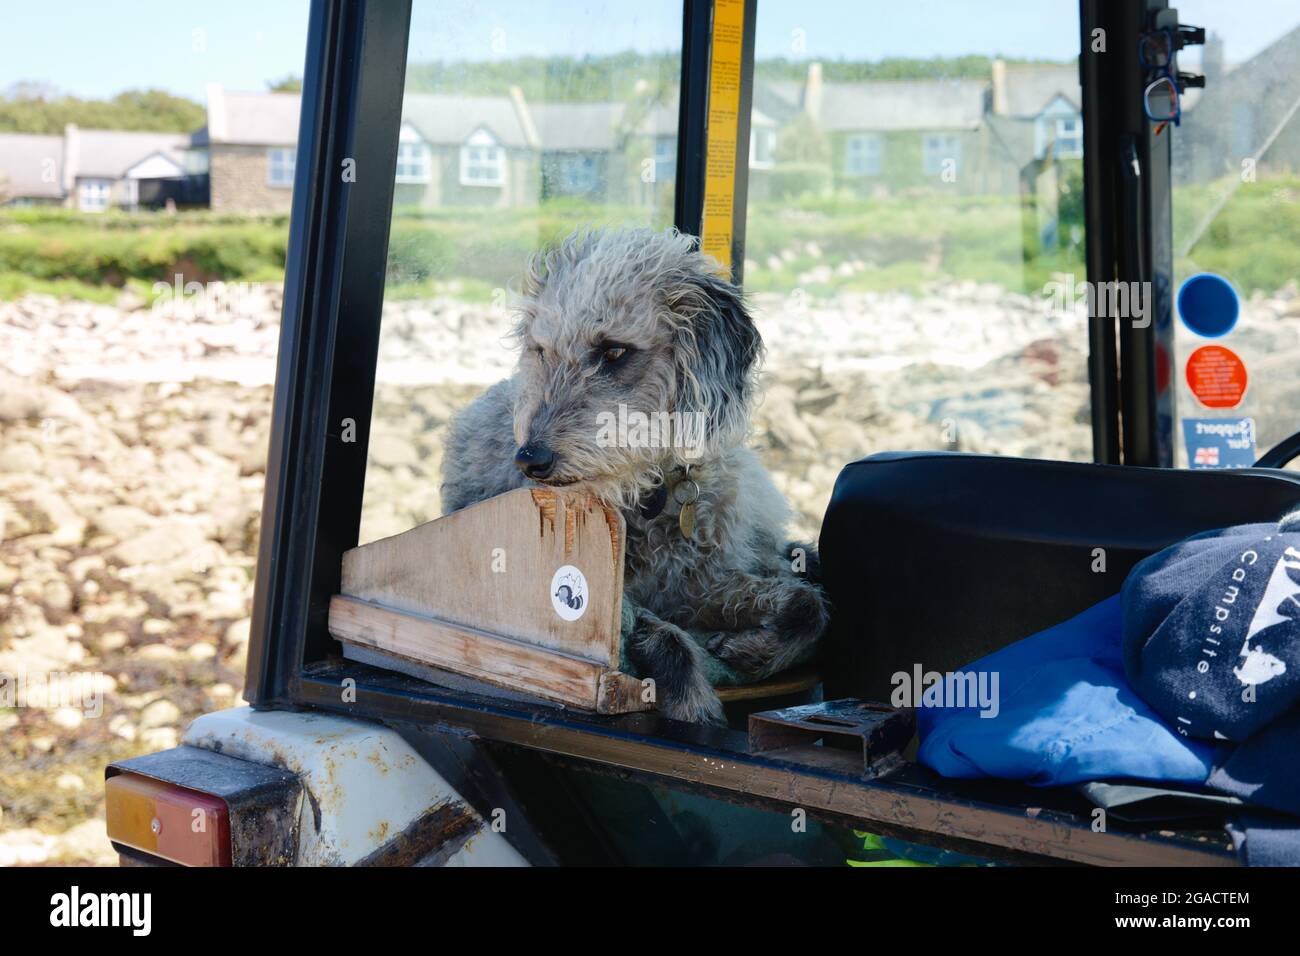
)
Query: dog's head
[{"x": 635, "y": 357}]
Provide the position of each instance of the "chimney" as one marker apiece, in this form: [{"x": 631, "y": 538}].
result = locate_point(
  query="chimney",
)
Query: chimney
[
  {"x": 812, "y": 92},
  {"x": 1212, "y": 57},
  {"x": 217, "y": 131},
  {"x": 71, "y": 158},
  {"x": 525, "y": 118},
  {"x": 1000, "y": 88}
]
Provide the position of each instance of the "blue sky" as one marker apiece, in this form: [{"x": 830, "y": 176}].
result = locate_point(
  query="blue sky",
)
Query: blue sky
[
  {"x": 95, "y": 48},
  {"x": 244, "y": 44}
]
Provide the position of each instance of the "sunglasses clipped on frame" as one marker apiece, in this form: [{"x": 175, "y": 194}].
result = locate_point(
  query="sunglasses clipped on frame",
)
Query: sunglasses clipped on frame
[{"x": 1160, "y": 99}]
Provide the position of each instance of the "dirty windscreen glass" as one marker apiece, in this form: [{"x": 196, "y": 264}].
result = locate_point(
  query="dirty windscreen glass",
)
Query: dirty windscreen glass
[
  {"x": 520, "y": 123},
  {"x": 915, "y": 229},
  {"x": 1236, "y": 202},
  {"x": 914, "y": 215}
]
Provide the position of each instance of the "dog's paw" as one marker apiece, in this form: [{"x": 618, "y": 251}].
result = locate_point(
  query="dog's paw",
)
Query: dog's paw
[
  {"x": 666, "y": 653},
  {"x": 697, "y": 702},
  {"x": 803, "y": 615},
  {"x": 749, "y": 651}
]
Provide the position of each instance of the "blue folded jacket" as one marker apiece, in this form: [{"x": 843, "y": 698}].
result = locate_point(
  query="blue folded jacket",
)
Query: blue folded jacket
[{"x": 1065, "y": 715}]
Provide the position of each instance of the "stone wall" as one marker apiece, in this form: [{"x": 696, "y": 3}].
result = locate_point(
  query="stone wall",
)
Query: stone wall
[{"x": 238, "y": 180}]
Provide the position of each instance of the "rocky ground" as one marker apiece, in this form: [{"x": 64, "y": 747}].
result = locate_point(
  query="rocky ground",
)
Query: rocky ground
[
  {"x": 969, "y": 367},
  {"x": 133, "y": 446}
]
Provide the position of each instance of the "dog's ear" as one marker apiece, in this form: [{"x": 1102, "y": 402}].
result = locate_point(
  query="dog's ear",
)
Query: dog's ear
[
  {"x": 718, "y": 352},
  {"x": 539, "y": 265}
]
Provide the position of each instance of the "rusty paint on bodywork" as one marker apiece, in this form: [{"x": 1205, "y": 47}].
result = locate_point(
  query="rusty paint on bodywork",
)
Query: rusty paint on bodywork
[{"x": 432, "y": 838}]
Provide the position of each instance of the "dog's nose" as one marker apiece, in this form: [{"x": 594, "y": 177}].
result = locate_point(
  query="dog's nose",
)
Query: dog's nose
[{"x": 535, "y": 461}]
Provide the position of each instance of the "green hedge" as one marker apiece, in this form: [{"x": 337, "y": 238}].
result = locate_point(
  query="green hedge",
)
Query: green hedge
[
  {"x": 109, "y": 256},
  {"x": 904, "y": 241},
  {"x": 116, "y": 220},
  {"x": 483, "y": 246},
  {"x": 795, "y": 180}
]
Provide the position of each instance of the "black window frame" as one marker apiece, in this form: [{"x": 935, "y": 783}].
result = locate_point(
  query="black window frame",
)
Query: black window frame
[
  {"x": 352, "y": 92},
  {"x": 334, "y": 285},
  {"x": 1129, "y": 236}
]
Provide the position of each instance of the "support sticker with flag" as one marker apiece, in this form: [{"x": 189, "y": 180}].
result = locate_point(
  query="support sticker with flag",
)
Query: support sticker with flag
[{"x": 1219, "y": 442}]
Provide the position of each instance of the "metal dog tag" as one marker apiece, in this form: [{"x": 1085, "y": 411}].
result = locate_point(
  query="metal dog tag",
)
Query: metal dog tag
[
  {"x": 686, "y": 516},
  {"x": 686, "y": 520}
]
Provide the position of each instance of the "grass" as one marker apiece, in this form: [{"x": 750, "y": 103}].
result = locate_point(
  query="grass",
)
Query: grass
[
  {"x": 1255, "y": 238},
  {"x": 822, "y": 245},
  {"x": 15, "y": 284},
  {"x": 899, "y": 243}
]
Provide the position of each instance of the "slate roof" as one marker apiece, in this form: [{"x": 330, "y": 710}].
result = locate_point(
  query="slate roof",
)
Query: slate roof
[
  {"x": 891, "y": 105},
  {"x": 578, "y": 127},
  {"x": 23, "y": 160},
  {"x": 108, "y": 154},
  {"x": 1031, "y": 88},
  {"x": 451, "y": 119},
  {"x": 252, "y": 119}
]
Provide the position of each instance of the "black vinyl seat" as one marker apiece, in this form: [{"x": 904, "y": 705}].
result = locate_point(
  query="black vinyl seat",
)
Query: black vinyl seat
[{"x": 938, "y": 558}]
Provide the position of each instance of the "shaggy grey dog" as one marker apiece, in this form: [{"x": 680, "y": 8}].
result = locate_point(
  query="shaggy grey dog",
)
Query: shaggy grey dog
[{"x": 616, "y": 323}]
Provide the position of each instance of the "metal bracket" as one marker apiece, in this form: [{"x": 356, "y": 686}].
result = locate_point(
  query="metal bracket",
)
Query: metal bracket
[{"x": 835, "y": 733}]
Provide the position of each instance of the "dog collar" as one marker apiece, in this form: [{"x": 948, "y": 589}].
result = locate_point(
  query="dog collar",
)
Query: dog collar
[
  {"x": 652, "y": 505},
  {"x": 653, "y": 502}
]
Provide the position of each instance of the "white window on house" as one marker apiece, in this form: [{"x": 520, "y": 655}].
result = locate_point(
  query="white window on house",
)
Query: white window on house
[
  {"x": 762, "y": 148},
  {"x": 939, "y": 152},
  {"x": 862, "y": 154},
  {"x": 414, "y": 163},
  {"x": 1069, "y": 137},
  {"x": 93, "y": 194},
  {"x": 1059, "y": 129},
  {"x": 482, "y": 161},
  {"x": 665, "y": 159},
  {"x": 279, "y": 167}
]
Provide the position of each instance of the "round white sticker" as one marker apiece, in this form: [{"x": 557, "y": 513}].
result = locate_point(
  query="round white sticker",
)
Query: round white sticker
[{"x": 569, "y": 593}]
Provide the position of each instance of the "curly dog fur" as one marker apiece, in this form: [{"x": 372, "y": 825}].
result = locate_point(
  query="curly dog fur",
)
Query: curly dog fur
[{"x": 641, "y": 319}]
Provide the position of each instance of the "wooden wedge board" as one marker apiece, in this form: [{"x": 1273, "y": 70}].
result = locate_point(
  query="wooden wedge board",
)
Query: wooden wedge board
[{"x": 523, "y": 591}]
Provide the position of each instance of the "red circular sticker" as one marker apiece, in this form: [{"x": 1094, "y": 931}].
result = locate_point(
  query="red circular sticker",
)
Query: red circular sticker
[{"x": 1217, "y": 376}]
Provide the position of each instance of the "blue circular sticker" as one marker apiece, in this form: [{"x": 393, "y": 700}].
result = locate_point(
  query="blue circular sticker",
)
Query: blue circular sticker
[{"x": 1208, "y": 305}]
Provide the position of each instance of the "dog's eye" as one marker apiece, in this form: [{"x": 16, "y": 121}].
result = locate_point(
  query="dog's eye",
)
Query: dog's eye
[{"x": 614, "y": 355}]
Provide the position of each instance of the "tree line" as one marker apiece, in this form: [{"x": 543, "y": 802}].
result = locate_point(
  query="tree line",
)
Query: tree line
[{"x": 34, "y": 108}]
